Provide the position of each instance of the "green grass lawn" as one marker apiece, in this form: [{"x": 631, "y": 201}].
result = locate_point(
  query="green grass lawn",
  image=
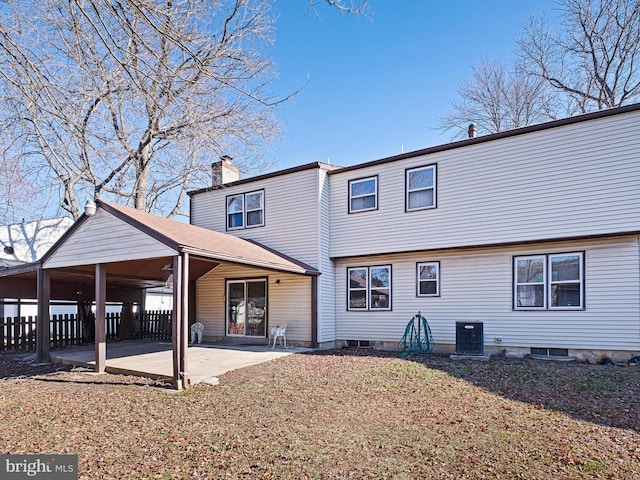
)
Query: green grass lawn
[{"x": 344, "y": 414}]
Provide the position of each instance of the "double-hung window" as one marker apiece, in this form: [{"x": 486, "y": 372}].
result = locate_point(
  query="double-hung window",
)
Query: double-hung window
[
  {"x": 554, "y": 281},
  {"x": 369, "y": 288},
  {"x": 428, "y": 276},
  {"x": 363, "y": 194},
  {"x": 420, "y": 188},
  {"x": 245, "y": 210},
  {"x": 254, "y": 206}
]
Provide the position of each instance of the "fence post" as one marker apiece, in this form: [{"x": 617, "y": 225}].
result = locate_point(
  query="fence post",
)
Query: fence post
[
  {"x": 32, "y": 332},
  {"x": 3, "y": 333}
]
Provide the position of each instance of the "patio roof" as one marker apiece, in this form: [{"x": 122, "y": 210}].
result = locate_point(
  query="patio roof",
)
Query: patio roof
[
  {"x": 206, "y": 249},
  {"x": 201, "y": 242}
]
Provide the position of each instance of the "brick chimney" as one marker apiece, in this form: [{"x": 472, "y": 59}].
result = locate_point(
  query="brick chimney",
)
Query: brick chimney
[
  {"x": 224, "y": 171},
  {"x": 472, "y": 131}
]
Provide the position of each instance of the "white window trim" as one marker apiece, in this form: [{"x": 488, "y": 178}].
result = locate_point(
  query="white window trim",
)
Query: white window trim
[
  {"x": 246, "y": 208},
  {"x": 437, "y": 279},
  {"x": 369, "y": 307},
  {"x": 547, "y": 282},
  {"x": 516, "y": 284},
  {"x": 228, "y": 213},
  {"x": 580, "y": 280},
  {"x": 374, "y": 194},
  {"x": 245, "y": 211},
  {"x": 408, "y": 190},
  {"x": 377, "y": 309},
  {"x": 356, "y": 289}
]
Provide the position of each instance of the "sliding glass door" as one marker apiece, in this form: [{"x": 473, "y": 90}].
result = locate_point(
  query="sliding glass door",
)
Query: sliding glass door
[{"x": 246, "y": 308}]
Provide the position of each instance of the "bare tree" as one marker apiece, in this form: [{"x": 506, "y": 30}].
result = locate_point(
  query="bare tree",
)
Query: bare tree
[
  {"x": 19, "y": 190},
  {"x": 358, "y": 7},
  {"x": 130, "y": 100},
  {"x": 497, "y": 98},
  {"x": 594, "y": 55}
]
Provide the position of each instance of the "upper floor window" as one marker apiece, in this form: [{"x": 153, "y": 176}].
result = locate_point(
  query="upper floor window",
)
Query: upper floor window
[
  {"x": 363, "y": 194},
  {"x": 245, "y": 210},
  {"x": 554, "y": 281},
  {"x": 428, "y": 276},
  {"x": 421, "y": 188},
  {"x": 369, "y": 288}
]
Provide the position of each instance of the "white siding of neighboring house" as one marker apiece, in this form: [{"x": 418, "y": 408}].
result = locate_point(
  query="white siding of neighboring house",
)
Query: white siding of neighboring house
[
  {"x": 104, "y": 238},
  {"x": 30, "y": 240},
  {"x": 476, "y": 286},
  {"x": 570, "y": 181},
  {"x": 288, "y": 302},
  {"x": 291, "y": 213}
]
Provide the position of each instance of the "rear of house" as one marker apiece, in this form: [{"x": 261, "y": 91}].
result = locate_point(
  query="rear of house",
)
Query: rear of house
[
  {"x": 532, "y": 232},
  {"x": 287, "y": 212}
]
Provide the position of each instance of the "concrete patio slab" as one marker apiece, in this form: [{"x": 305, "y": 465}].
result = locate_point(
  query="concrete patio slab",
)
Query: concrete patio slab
[{"x": 155, "y": 359}]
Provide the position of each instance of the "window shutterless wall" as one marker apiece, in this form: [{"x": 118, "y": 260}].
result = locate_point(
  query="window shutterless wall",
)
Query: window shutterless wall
[
  {"x": 477, "y": 285},
  {"x": 570, "y": 181},
  {"x": 291, "y": 214}
]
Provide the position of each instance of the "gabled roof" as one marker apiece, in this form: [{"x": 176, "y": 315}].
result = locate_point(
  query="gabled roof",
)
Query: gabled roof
[{"x": 202, "y": 242}]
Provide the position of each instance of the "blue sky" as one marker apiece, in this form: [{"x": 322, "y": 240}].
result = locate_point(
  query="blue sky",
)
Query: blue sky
[{"x": 377, "y": 86}]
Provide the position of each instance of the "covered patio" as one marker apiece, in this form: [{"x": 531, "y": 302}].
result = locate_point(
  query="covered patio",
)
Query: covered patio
[
  {"x": 153, "y": 359},
  {"x": 112, "y": 253}
]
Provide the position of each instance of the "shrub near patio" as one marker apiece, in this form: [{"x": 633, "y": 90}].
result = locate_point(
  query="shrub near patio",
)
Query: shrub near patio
[{"x": 338, "y": 414}]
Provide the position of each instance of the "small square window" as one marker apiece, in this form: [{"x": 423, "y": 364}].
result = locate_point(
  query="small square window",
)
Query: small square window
[
  {"x": 428, "y": 276},
  {"x": 363, "y": 194}
]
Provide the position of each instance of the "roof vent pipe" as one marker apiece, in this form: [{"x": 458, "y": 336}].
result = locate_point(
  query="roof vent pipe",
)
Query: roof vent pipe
[
  {"x": 472, "y": 131},
  {"x": 90, "y": 208}
]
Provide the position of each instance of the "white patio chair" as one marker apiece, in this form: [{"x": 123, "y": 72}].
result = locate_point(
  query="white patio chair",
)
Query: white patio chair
[{"x": 278, "y": 331}]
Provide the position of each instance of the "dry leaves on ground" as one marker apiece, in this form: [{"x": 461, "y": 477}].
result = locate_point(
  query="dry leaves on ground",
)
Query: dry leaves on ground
[{"x": 337, "y": 414}]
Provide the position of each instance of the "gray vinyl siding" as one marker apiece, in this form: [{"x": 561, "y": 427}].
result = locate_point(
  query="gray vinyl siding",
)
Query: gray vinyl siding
[
  {"x": 326, "y": 281},
  {"x": 290, "y": 213},
  {"x": 104, "y": 238},
  {"x": 476, "y": 285},
  {"x": 571, "y": 181},
  {"x": 287, "y": 302}
]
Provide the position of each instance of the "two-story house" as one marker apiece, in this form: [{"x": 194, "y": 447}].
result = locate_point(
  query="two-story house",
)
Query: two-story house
[{"x": 534, "y": 232}]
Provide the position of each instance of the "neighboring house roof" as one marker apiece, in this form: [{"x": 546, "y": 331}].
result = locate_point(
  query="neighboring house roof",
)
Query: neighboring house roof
[
  {"x": 198, "y": 241},
  {"x": 26, "y": 242}
]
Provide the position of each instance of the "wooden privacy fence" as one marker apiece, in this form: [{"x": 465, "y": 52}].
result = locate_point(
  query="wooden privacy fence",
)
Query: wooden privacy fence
[
  {"x": 156, "y": 325},
  {"x": 19, "y": 333}
]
